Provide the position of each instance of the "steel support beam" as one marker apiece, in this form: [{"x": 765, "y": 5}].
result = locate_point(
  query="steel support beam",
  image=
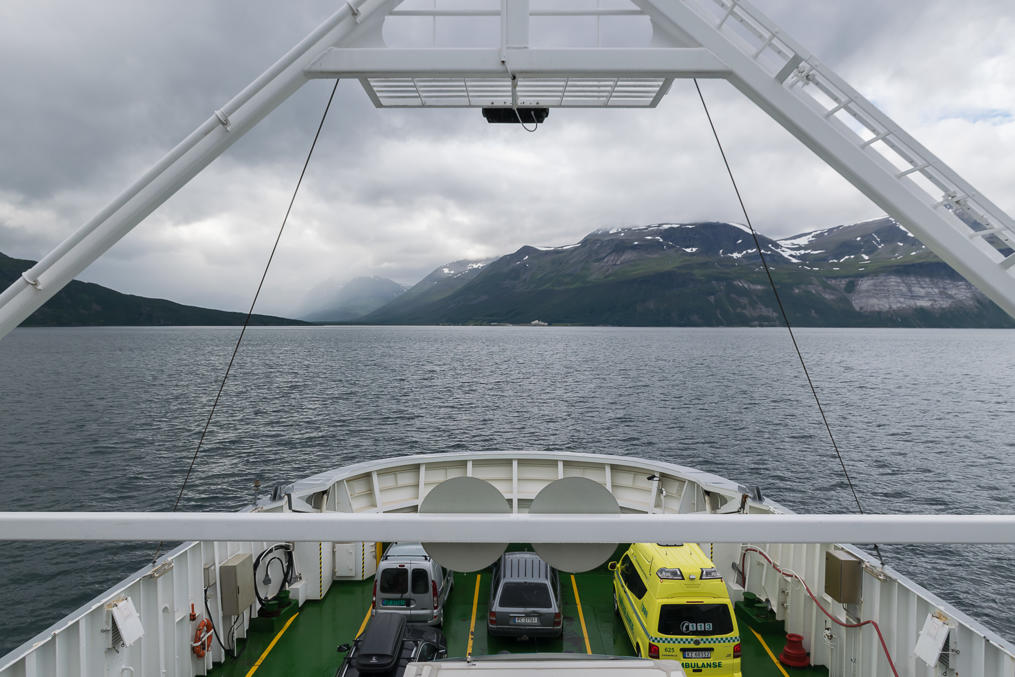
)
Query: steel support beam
[
  {"x": 521, "y": 528},
  {"x": 681, "y": 62}
]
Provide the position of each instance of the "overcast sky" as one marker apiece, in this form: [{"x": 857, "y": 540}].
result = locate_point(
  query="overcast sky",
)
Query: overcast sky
[{"x": 93, "y": 93}]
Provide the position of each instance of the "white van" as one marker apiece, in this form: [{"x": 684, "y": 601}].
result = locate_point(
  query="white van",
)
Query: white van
[{"x": 409, "y": 582}]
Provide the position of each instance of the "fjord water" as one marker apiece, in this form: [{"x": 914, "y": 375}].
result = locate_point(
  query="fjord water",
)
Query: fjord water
[{"x": 107, "y": 419}]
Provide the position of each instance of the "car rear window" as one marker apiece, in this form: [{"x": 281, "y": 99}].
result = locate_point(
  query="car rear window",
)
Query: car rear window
[
  {"x": 695, "y": 620},
  {"x": 394, "y": 581},
  {"x": 420, "y": 582},
  {"x": 525, "y": 596}
]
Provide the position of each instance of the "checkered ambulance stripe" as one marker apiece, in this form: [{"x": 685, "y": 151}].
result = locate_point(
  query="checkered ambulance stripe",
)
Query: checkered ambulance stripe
[{"x": 692, "y": 640}]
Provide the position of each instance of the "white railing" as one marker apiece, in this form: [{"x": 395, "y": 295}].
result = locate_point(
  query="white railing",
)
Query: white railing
[{"x": 510, "y": 528}]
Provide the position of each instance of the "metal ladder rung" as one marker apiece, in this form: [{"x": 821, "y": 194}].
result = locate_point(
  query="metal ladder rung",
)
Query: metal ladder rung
[
  {"x": 915, "y": 168},
  {"x": 986, "y": 232},
  {"x": 841, "y": 105},
  {"x": 728, "y": 14},
  {"x": 788, "y": 68},
  {"x": 875, "y": 139},
  {"x": 764, "y": 45}
]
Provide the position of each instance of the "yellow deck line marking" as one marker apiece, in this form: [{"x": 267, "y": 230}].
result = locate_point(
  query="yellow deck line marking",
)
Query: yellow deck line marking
[
  {"x": 363, "y": 625},
  {"x": 472, "y": 623},
  {"x": 769, "y": 652},
  {"x": 271, "y": 646},
  {"x": 581, "y": 616}
]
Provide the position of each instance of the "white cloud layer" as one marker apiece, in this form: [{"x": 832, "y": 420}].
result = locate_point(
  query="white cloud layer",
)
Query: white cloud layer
[{"x": 95, "y": 92}]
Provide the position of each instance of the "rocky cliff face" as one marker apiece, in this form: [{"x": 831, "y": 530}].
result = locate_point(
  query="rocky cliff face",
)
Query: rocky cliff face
[{"x": 894, "y": 293}]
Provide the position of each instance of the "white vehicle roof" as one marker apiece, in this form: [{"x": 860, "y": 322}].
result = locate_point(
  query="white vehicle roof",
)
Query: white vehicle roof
[{"x": 405, "y": 550}]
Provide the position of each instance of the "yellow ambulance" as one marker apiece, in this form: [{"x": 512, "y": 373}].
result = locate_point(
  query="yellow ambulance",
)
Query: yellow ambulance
[{"x": 674, "y": 604}]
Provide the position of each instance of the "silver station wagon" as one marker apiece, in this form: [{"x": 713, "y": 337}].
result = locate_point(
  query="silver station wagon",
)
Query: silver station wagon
[{"x": 525, "y": 598}]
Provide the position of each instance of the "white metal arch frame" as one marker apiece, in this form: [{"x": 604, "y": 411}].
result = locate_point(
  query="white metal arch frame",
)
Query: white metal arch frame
[{"x": 699, "y": 38}]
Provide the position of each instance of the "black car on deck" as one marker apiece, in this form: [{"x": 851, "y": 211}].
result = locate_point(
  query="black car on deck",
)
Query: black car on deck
[{"x": 389, "y": 644}]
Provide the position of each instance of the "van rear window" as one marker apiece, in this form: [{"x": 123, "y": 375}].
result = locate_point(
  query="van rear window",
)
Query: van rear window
[
  {"x": 695, "y": 620},
  {"x": 525, "y": 596},
  {"x": 420, "y": 582},
  {"x": 394, "y": 581}
]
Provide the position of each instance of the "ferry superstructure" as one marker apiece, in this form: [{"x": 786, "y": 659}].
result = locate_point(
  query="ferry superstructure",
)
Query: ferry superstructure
[{"x": 145, "y": 625}]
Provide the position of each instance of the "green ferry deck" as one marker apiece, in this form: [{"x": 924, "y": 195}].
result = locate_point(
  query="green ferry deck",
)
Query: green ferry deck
[{"x": 304, "y": 642}]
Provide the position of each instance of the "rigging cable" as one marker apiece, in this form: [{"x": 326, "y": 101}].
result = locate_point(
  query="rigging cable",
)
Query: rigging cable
[
  {"x": 782, "y": 310},
  {"x": 246, "y": 320}
]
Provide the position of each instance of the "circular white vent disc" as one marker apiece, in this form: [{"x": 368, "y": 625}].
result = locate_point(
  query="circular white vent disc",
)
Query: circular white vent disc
[
  {"x": 464, "y": 495},
  {"x": 569, "y": 496}
]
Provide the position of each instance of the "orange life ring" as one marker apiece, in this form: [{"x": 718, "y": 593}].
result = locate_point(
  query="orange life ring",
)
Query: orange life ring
[{"x": 202, "y": 637}]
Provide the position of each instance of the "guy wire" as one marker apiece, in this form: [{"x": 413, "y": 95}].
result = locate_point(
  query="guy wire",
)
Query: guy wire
[
  {"x": 782, "y": 310},
  {"x": 246, "y": 320}
]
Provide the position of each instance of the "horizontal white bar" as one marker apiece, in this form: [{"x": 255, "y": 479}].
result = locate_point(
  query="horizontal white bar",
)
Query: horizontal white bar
[
  {"x": 497, "y": 12},
  {"x": 469, "y": 62},
  {"x": 586, "y": 12},
  {"x": 520, "y": 528}
]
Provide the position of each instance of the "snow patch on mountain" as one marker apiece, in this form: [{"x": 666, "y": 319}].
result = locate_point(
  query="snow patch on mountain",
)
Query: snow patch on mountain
[
  {"x": 557, "y": 249},
  {"x": 637, "y": 229},
  {"x": 456, "y": 268}
]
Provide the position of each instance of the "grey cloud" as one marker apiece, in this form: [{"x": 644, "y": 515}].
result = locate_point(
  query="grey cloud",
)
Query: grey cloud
[{"x": 88, "y": 82}]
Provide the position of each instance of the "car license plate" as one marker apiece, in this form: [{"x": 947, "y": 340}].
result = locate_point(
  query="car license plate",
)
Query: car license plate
[
  {"x": 703, "y": 653},
  {"x": 525, "y": 620},
  {"x": 392, "y": 602}
]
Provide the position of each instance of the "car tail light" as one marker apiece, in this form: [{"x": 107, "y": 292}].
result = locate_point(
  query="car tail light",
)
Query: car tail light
[
  {"x": 736, "y": 650},
  {"x": 493, "y": 618},
  {"x": 653, "y": 650},
  {"x": 373, "y": 598},
  {"x": 557, "y": 620},
  {"x": 433, "y": 585}
]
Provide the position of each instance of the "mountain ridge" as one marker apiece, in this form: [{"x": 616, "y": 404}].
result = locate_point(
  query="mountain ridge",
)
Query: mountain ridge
[
  {"x": 872, "y": 273},
  {"x": 88, "y": 304}
]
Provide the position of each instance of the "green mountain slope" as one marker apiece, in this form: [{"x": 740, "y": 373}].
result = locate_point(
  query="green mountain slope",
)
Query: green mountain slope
[
  {"x": 85, "y": 303},
  {"x": 430, "y": 291}
]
